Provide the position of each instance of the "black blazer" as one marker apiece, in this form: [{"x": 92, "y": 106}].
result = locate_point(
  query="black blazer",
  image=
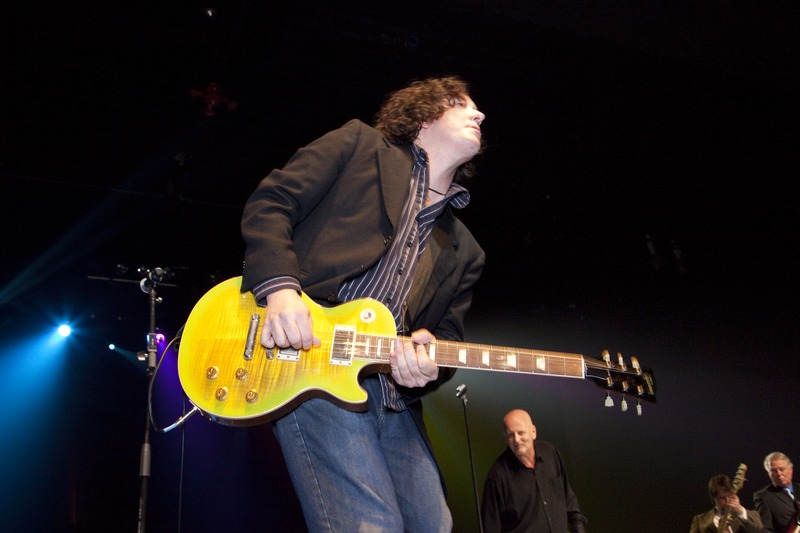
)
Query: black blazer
[
  {"x": 778, "y": 510},
  {"x": 331, "y": 212}
]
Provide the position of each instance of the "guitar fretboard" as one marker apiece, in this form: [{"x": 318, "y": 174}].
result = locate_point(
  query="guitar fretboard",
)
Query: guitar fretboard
[{"x": 475, "y": 356}]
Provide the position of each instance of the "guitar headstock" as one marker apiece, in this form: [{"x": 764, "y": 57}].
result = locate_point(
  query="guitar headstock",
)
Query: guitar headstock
[
  {"x": 738, "y": 478},
  {"x": 629, "y": 380}
]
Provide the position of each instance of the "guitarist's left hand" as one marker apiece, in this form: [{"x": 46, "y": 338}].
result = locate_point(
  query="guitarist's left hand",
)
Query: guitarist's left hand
[{"x": 411, "y": 366}]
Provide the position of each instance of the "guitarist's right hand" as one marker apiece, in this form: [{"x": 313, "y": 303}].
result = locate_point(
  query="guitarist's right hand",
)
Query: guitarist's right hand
[
  {"x": 733, "y": 502},
  {"x": 287, "y": 322}
]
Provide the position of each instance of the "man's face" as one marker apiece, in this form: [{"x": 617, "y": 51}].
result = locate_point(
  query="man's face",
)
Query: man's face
[
  {"x": 520, "y": 435},
  {"x": 780, "y": 472},
  {"x": 723, "y": 498},
  {"x": 459, "y": 128}
]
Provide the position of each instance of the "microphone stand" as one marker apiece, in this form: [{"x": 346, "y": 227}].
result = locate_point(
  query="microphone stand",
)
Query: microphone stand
[
  {"x": 461, "y": 392},
  {"x": 148, "y": 285}
]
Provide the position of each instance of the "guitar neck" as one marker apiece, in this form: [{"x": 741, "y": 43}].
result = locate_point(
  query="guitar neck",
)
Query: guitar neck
[
  {"x": 481, "y": 357},
  {"x": 736, "y": 484},
  {"x": 504, "y": 359},
  {"x": 347, "y": 345}
]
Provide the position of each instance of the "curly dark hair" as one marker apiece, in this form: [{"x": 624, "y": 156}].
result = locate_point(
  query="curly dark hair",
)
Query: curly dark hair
[{"x": 403, "y": 112}]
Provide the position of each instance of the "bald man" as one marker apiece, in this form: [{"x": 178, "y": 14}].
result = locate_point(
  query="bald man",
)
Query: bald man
[{"x": 526, "y": 490}]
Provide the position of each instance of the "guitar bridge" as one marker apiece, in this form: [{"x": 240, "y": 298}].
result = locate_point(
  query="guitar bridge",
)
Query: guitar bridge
[{"x": 288, "y": 354}]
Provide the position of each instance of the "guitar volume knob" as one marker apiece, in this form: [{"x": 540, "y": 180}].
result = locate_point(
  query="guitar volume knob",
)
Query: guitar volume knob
[
  {"x": 251, "y": 396},
  {"x": 241, "y": 374},
  {"x": 221, "y": 394},
  {"x": 212, "y": 372}
]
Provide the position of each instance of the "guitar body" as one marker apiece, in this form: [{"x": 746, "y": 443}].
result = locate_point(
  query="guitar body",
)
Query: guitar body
[
  {"x": 795, "y": 527},
  {"x": 226, "y": 372}
]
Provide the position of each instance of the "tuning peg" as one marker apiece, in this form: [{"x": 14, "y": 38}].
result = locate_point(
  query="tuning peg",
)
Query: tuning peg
[
  {"x": 621, "y": 361},
  {"x": 635, "y": 365},
  {"x": 624, "y": 405},
  {"x": 638, "y": 408},
  {"x": 624, "y": 385},
  {"x": 609, "y": 400},
  {"x": 606, "y": 357}
]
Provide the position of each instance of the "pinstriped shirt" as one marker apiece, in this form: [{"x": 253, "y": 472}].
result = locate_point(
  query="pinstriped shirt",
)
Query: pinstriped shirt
[{"x": 389, "y": 280}]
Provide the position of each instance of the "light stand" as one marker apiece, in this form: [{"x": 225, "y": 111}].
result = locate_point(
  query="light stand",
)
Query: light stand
[{"x": 461, "y": 392}]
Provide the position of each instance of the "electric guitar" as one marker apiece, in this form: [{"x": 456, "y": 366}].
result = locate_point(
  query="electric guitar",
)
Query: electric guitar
[
  {"x": 794, "y": 523},
  {"x": 736, "y": 484},
  {"x": 234, "y": 380}
]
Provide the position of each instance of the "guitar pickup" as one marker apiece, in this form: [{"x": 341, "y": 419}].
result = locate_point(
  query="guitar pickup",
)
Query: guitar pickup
[
  {"x": 343, "y": 346},
  {"x": 252, "y": 333}
]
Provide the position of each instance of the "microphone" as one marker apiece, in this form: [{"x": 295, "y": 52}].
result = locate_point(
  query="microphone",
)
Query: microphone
[
  {"x": 158, "y": 274},
  {"x": 153, "y": 277}
]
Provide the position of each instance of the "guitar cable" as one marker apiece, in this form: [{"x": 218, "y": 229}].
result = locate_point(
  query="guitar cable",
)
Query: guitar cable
[
  {"x": 179, "y": 422},
  {"x": 183, "y": 418}
]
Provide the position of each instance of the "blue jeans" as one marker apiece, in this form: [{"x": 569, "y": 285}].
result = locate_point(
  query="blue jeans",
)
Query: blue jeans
[{"x": 362, "y": 472}]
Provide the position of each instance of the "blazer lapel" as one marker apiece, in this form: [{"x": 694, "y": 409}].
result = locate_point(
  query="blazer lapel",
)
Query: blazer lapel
[
  {"x": 394, "y": 166},
  {"x": 422, "y": 291},
  {"x": 787, "y": 498},
  {"x": 782, "y": 497}
]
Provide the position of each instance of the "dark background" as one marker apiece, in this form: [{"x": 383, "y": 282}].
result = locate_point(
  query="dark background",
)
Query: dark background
[{"x": 609, "y": 126}]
